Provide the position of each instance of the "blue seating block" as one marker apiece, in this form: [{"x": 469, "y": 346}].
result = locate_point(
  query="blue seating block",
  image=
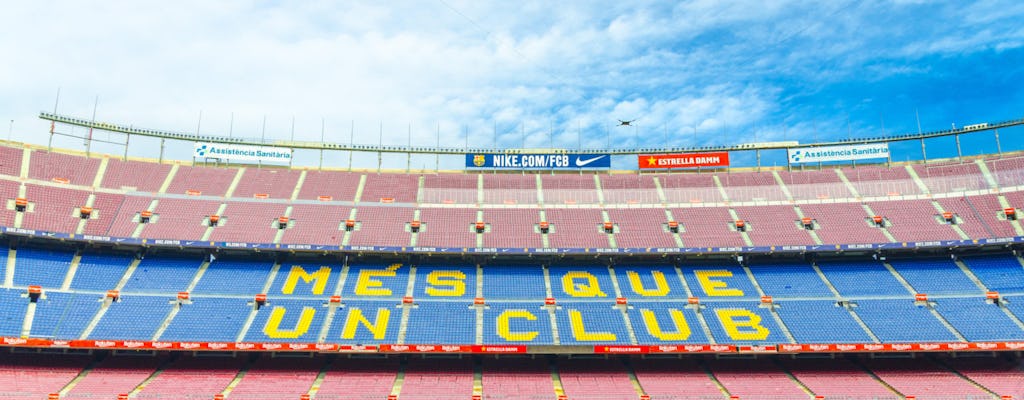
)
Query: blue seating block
[
  {"x": 737, "y": 280},
  {"x": 569, "y": 279},
  {"x": 977, "y": 320},
  {"x": 456, "y": 274},
  {"x": 596, "y": 317},
  {"x": 513, "y": 282},
  {"x": 46, "y": 268},
  {"x": 12, "y": 312},
  {"x": 369, "y": 310},
  {"x": 213, "y": 319},
  {"x": 857, "y": 279},
  {"x": 234, "y": 277},
  {"x": 100, "y": 271},
  {"x": 900, "y": 321},
  {"x": 290, "y": 322},
  {"x": 1001, "y": 273},
  {"x": 648, "y": 287},
  {"x": 661, "y": 312},
  {"x": 821, "y": 322},
  {"x": 393, "y": 285},
  {"x": 133, "y": 317},
  {"x": 537, "y": 321},
  {"x": 63, "y": 315},
  {"x": 161, "y": 274},
  {"x": 935, "y": 276},
  {"x": 790, "y": 280},
  {"x": 303, "y": 288},
  {"x": 441, "y": 322}
]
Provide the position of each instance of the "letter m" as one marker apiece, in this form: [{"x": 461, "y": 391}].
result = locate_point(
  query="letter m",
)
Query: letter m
[{"x": 318, "y": 278}]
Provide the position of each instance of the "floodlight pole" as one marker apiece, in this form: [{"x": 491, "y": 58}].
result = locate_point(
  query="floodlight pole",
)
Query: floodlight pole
[
  {"x": 49, "y": 145},
  {"x": 924, "y": 153},
  {"x": 322, "y": 125},
  {"x": 351, "y": 143},
  {"x": 959, "y": 153},
  {"x": 999, "y": 147},
  {"x": 88, "y": 142}
]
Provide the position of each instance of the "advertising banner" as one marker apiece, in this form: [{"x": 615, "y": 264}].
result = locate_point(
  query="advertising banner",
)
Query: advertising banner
[
  {"x": 802, "y": 155},
  {"x": 236, "y": 152},
  {"x": 539, "y": 161},
  {"x": 690, "y": 160}
]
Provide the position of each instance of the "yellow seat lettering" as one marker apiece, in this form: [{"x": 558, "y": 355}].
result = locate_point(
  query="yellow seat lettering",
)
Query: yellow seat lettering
[
  {"x": 368, "y": 285},
  {"x": 579, "y": 331},
  {"x": 506, "y": 332},
  {"x": 452, "y": 283},
  {"x": 734, "y": 319},
  {"x": 320, "y": 278},
  {"x": 355, "y": 318},
  {"x": 713, "y": 287},
  {"x": 273, "y": 326},
  {"x": 581, "y": 284},
  {"x": 682, "y": 328},
  {"x": 660, "y": 284}
]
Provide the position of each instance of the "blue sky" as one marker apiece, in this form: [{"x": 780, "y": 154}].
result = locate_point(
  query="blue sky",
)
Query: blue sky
[{"x": 508, "y": 73}]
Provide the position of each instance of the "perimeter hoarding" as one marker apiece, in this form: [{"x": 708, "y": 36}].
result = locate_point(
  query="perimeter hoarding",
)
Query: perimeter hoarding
[
  {"x": 237, "y": 152},
  {"x": 539, "y": 161},
  {"x": 690, "y": 160},
  {"x": 803, "y": 155}
]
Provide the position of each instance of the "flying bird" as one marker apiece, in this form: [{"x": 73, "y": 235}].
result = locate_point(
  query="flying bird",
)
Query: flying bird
[{"x": 626, "y": 123}]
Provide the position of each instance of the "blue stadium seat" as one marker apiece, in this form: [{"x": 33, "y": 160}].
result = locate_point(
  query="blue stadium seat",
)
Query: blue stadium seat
[
  {"x": 234, "y": 277},
  {"x": 45, "y": 268},
  {"x": 935, "y": 276},
  {"x": 100, "y": 271},
  {"x": 290, "y": 321},
  {"x": 1001, "y": 273},
  {"x": 718, "y": 327},
  {"x": 64, "y": 315},
  {"x": 733, "y": 276},
  {"x": 864, "y": 278},
  {"x": 900, "y": 321},
  {"x": 441, "y": 322},
  {"x": 12, "y": 312},
  {"x": 821, "y": 322},
  {"x": 790, "y": 280},
  {"x": 301, "y": 286},
  {"x": 392, "y": 285},
  {"x": 596, "y": 318},
  {"x": 451, "y": 279},
  {"x": 133, "y": 317},
  {"x": 577, "y": 282},
  {"x": 977, "y": 320},
  {"x": 650, "y": 281},
  {"x": 511, "y": 282},
  {"x": 163, "y": 274},
  {"x": 213, "y": 319},
  {"x": 361, "y": 334},
  {"x": 665, "y": 326}
]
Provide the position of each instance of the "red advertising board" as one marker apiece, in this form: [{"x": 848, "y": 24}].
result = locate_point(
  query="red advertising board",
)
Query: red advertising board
[{"x": 689, "y": 160}]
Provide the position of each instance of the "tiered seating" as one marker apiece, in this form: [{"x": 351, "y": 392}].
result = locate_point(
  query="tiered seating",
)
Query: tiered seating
[
  {"x": 923, "y": 379},
  {"x": 955, "y": 177},
  {"x": 316, "y": 224},
  {"x": 45, "y": 268},
  {"x": 10, "y": 161},
  {"x": 113, "y": 376},
  {"x": 586, "y": 379},
  {"x": 979, "y": 321},
  {"x": 755, "y": 379},
  {"x": 132, "y": 317},
  {"x": 225, "y": 276},
  {"x": 843, "y": 223},
  {"x": 859, "y": 279},
  {"x": 569, "y": 189},
  {"x": 540, "y": 323},
  {"x": 688, "y": 188},
  {"x": 134, "y": 175},
  {"x": 1000, "y": 375},
  {"x": 820, "y": 322},
  {"x": 661, "y": 310},
  {"x": 437, "y": 379},
  {"x": 55, "y": 208},
  {"x": 512, "y": 228},
  {"x": 576, "y": 228},
  {"x": 276, "y": 183},
  {"x": 978, "y": 216},
  {"x": 881, "y": 181},
  {"x": 935, "y": 276},
  {"x": 442, "y": 323},
  {"x": 208, "y": 318},
  {"x": 997, "y": 272},
  {"x": 900, "y": 321},
  {"x": 338, "y": 186},
  {"x": 105, "y": 209},
  {"x": 398, "y": 188},
  {"x": 64, "y": 316},
  {"x": 813, "y": 184},
  {"x": 675, "y": 379},
  {"x": 8, "y": 192},
  {"x": 1007, "y": 172},
  {"x": 790, "y": 281},
  {"x": 76, "y": 170},
  {"x": 33, "y": 377},
  {"x": 509, "y": 378},
  {"x": 513, "y": 282},
  {"x": 370, "y": 309},
  {"x": 254, "y": 222},
  {"x": 510, "y": 189},
  {"x": 382, "y": 226},
  {"x": 208, "y": 181},
  {"x": 707, "y": 227},
  {"x": 181, "y": 219},
  {"x": 162, "y": 274},
  {"x": 596, "y": 318},
  {"x": 189, "y": 377},
  {"x": 277, "y": 377},
  {"x": 837, "y": 378},
  {"x": 751, "y": 186},
  {"x": 358, "y": 379},
  {"x": 121, "y": 220},
  {"x": 641, "y": 227},
  {"x": 629, "y": 189},
  {"x": 450, "y": 189},
  {"x": 447, "y": 227},
  {"x": 914, "y": 221},
  {"x": 12, "y": 312},
  {"x": 774, "y": 226},
  {"x": 293, "y": 310}
]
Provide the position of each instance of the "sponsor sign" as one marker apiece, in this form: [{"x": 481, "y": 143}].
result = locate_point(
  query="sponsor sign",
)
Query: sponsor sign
[
  {"x": 539, "y": 161},
  {"x": 802, "y": 155},
  {"x": 236, "y": 152},
  {"x": 690, "y": 160}
]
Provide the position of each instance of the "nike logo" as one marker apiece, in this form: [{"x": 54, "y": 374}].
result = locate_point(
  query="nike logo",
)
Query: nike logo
[{"x": 583, "y": 163}]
